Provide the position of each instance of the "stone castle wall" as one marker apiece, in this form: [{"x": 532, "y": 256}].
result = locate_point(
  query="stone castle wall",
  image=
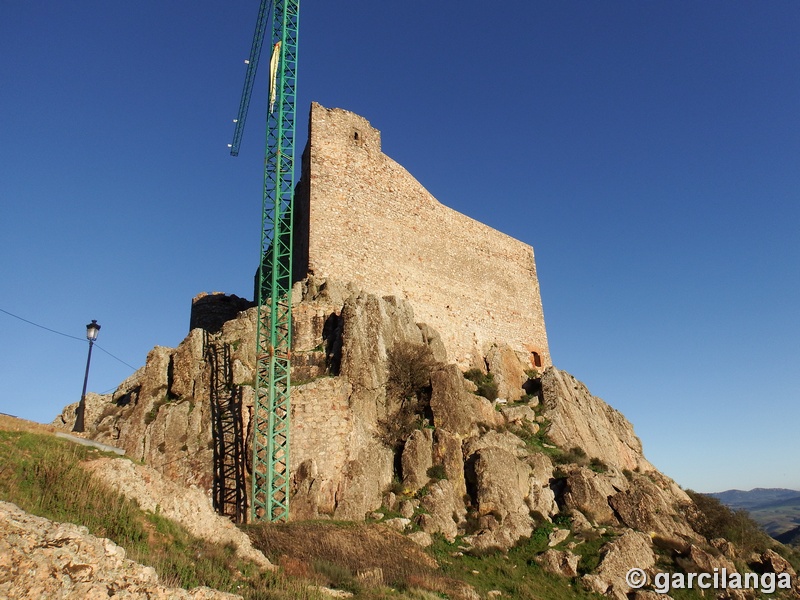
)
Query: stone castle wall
[{"x": 361, "y": 217}]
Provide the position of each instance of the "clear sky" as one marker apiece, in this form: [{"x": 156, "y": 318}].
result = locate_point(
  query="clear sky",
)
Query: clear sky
[{"x": 649, "y": 151}]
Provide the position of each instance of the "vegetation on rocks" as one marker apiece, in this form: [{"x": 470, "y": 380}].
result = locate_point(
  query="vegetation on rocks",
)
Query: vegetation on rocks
[
  {"x": 485, "y": 383},
  {"x": 715, "y": 520},
  {"x": 408, "y": 384}
]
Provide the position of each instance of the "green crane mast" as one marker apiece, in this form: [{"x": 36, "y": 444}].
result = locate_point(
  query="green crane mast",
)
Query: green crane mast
[{"x": 270, "y": 478}]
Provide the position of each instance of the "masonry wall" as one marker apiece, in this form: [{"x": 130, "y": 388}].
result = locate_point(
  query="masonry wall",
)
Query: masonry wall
[{"x": 361, "y": 217}]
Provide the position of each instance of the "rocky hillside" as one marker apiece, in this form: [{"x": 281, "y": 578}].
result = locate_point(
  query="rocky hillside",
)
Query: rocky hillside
[
  {"x": 43, "y": 559},
  {"x": 385, "y": 429}
]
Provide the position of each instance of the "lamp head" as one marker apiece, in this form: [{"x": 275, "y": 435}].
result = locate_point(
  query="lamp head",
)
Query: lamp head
[{"x": 91, "y": 330}]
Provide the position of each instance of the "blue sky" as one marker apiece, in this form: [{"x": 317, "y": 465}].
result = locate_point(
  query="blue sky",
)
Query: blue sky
[{"x": 649, "y": 151}]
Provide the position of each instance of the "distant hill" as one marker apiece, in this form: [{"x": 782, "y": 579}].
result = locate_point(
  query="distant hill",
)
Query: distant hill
[
  {"x": 790, "y": 538},
  {"x": 777, "y": 510}
]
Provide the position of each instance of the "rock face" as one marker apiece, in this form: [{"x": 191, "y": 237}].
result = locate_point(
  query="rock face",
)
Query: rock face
[
  {"x": 580, "y": 419},
  {"x": 43, "y": 559},
  {"x": 375, "y": 406},
  {"x": 163, "y": 415}
]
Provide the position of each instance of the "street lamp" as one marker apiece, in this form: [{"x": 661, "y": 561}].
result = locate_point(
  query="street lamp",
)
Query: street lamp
[{"x": 92, "y": 330}]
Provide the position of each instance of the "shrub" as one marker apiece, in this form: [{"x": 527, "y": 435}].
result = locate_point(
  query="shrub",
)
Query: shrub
[
  {"x": 437, "y": 472},
  {"x": 715, "y": 520},
  {"x": 578, "y": 451},
  {"x": 408, "y": 384},
  {"x": 597, "y": 465},
  {"x": 575, "y": 455},
  {"x": 408, "y": 369},
  {"x": 563, "y": 520},
  {"x": 485, "y": 382}
]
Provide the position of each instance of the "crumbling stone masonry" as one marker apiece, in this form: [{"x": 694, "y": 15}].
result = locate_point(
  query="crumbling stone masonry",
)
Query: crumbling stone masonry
[{"x": 361, "y": 217}]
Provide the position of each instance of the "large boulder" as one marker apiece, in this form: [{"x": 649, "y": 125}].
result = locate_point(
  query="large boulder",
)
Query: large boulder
[
  {"x": 447, "y": 452},
  {"x": 445, "y": 510},
  {"x": 589, "y": 492},
  {"x": 541, "y": 498},
  {"x": 644, "y": 506},
  {"x": 631, "y": 549},
  {"x": 560, "y": 562},
  {"x": 417, "y": 459},
  {"x": 496, "y": 439},
  {"x": 508, "y": 370},
  {"x": 698, "y": 560},
  {"x": 502, "y": 484},
  {"x": 364, "y": 480},
  {"x": 454, "y": 408}
]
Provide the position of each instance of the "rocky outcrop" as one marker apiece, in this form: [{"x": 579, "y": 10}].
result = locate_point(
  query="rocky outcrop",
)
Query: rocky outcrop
[
  {"x": 456, "y": 463},
  {"x": 340, "y": 466},
  {"x": 560, "y": 562},
  {"x": 771, "y": 562},
  {"x": 43, "y": 559},
  {"x": 699, "y": 561},
  {"x": 188, "y": 506},
  {"x": 444, "y": 510},
  {"x": 645, "y": 506},
  {"x": 508, "y": 371},
  {"x": 579, "y": 419},
  {"x": 417, "y": 459},
  {"x": 633, "y": 548},
  {"x": 502, "y": 485},
  {"x": 588, "y": 492},
  {"x": 160, "y": 415},
  {"x": 457, "y": 410}
]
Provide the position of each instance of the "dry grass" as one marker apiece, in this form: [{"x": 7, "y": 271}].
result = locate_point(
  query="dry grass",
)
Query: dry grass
[
  {"x": 9, "y": 423},
  {"x": 344, "y": 554}
]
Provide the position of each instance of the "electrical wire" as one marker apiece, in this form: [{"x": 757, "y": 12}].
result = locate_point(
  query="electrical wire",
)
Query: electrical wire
[
  {"x": 41, "y": 326},
  {"x": 66, "y": 335},
  {"x": 96, "y": 345}
]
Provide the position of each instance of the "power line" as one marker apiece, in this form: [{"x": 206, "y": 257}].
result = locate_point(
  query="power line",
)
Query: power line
[
  {"x": 66, "y": 335},
  {"x": 41, "y": 326},
  {"x": 114, "y": 357}
]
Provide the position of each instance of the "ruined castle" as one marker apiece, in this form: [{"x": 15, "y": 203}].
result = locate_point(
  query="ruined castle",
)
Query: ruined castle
[{"x": 361, "y": 217}]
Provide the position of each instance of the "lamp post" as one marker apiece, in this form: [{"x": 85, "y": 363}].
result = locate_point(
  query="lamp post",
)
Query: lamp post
[{"x": 92, "y": 330}]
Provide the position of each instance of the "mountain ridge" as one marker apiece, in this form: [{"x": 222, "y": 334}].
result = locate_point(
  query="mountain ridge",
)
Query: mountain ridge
[{"x": 776, "y": 510}]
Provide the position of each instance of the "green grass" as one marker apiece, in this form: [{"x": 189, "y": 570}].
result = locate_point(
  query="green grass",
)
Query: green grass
[
  {"x": 43, "y": 476},
  {"x": 515, "y": 573},
  {"x": 485, "y": 383}
]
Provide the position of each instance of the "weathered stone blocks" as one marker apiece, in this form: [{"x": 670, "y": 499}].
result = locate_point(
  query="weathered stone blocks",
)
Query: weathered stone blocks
[{"x": 361, "y": 217}]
